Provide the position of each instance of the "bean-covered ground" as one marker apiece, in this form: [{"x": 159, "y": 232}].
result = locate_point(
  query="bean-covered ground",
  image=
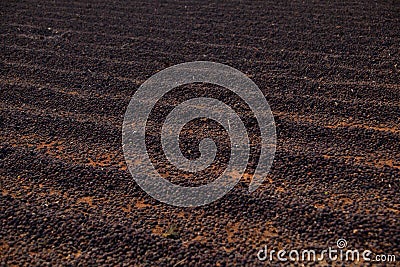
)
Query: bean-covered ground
[{"x": 330, "y": 70}]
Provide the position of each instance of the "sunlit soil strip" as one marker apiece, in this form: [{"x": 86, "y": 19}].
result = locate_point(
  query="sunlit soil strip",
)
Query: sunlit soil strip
[
  {"x": 343, "y": 123},
  {"x": 377, "y": 163},
  {"x": 60, "y": 149},
  {"x": 375, "y": 128},
  {"x": 79, "y": 117}
]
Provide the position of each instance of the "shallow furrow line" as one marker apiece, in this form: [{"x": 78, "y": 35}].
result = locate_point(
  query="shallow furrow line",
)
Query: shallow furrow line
[
  {"x": 137, "y": 64},
  {"x": 28, "y": 83},
  {"x": 205, "y": 44},
  {"x": 100, "y": 48},
  {"x": 192, "y": 14}
]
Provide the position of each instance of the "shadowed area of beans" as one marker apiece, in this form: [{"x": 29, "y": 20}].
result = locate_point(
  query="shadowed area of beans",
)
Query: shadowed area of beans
[{"x": 330, "y": 71}]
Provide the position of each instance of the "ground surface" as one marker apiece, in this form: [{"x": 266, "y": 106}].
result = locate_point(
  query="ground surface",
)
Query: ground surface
[{"x": 330, "y": 72}]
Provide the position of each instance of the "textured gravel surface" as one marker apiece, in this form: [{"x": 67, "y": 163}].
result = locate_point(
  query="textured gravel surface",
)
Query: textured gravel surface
[{"x": 330, "y": 72}]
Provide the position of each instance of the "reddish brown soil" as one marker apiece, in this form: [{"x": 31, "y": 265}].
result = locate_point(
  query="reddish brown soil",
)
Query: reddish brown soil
[{"x": 330, "y": 71}]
